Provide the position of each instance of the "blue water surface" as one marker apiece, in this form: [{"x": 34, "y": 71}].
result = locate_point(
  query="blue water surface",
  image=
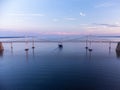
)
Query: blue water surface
[{"x": 48, "y": 67}]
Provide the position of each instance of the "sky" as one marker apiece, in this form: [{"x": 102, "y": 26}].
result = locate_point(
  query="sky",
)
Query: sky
[{"x": 63, "y": 17}]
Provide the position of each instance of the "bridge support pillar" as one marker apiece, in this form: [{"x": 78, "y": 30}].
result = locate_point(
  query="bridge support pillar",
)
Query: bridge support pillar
[
  {"x": 118, "y": 47},
  {"x": 1, "y": 46}
]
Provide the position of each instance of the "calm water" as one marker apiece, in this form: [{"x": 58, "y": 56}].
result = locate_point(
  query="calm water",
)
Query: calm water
[{"x": 49, "y": 68}]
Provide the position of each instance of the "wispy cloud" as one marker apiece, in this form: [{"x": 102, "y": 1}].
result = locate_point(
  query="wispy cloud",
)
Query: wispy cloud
[
  {"x": 82, "y": 14},
  {"x": 117, "y": 23},
  {"x": 106, "y": 4},
  {"x": 91, "y": 27},
  {"x": 55, "y": 20},
  {"x": 84, "y": 24},
  {"x": 27, "y": 14},
  {"x": 70, "y": 19},
  {"x": 106, "y": 25},
  {"x": 61, "y": 33}
]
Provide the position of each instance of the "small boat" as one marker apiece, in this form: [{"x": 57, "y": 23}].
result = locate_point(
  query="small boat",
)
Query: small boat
[
  {"x": 26, "y": 49},
  {"x": 90, "y": 50},
  {"x": 33, "y": 47},
  {"x": 60, "y": 45},
  {"x": 86, "y": 47}
]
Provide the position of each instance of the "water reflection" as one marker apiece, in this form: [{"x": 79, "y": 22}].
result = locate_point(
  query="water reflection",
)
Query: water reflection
[
  {"x": 118, "y": 54},
  {"x": 86, "y": 51},
  {"x": 27, "y": 56},
  {"x": 1, "y": 49},
  {"x": 12, "y": 51},
  {"x": 33, "y": 52},
  {"x": 33, "y": 44},
  {"x": 90, "y": 55},
  {"x": 109, "y": 50},
  {"x": 1, "y": 53},
  {"x": 58, "y": 50},
  {"x": 11, "y": 45},
  {"x": 83, "y": 68}
]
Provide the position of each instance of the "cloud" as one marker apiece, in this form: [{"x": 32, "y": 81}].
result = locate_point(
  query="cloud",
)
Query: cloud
[
  {"x": 40, "y": 15},
  {"x": 82, "y": 14},
  {"x": 107, "y": 25},
  {"x": 117, "y": 23},
  {"x": 102, "y": 28},
  {"x": 28, "y": 14},
  {"x": 84, "y": 24},
  {"x": 106, "y": 4},
  {"x": 70, "y": 19},
  {"x": 61, "y": 33},
  {"x": 55, "y": 20},
  {"x": 91, "y": 27}
]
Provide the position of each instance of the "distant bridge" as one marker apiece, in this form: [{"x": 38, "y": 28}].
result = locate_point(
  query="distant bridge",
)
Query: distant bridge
[{"x": 82, "y": 39}]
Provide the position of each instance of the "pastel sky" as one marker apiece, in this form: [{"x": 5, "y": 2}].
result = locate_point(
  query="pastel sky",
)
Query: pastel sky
[{"x": 61, "y": 16}]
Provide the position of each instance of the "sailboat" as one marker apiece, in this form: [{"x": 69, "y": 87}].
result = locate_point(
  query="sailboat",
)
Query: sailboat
[{"x": 26, "y": 49}]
